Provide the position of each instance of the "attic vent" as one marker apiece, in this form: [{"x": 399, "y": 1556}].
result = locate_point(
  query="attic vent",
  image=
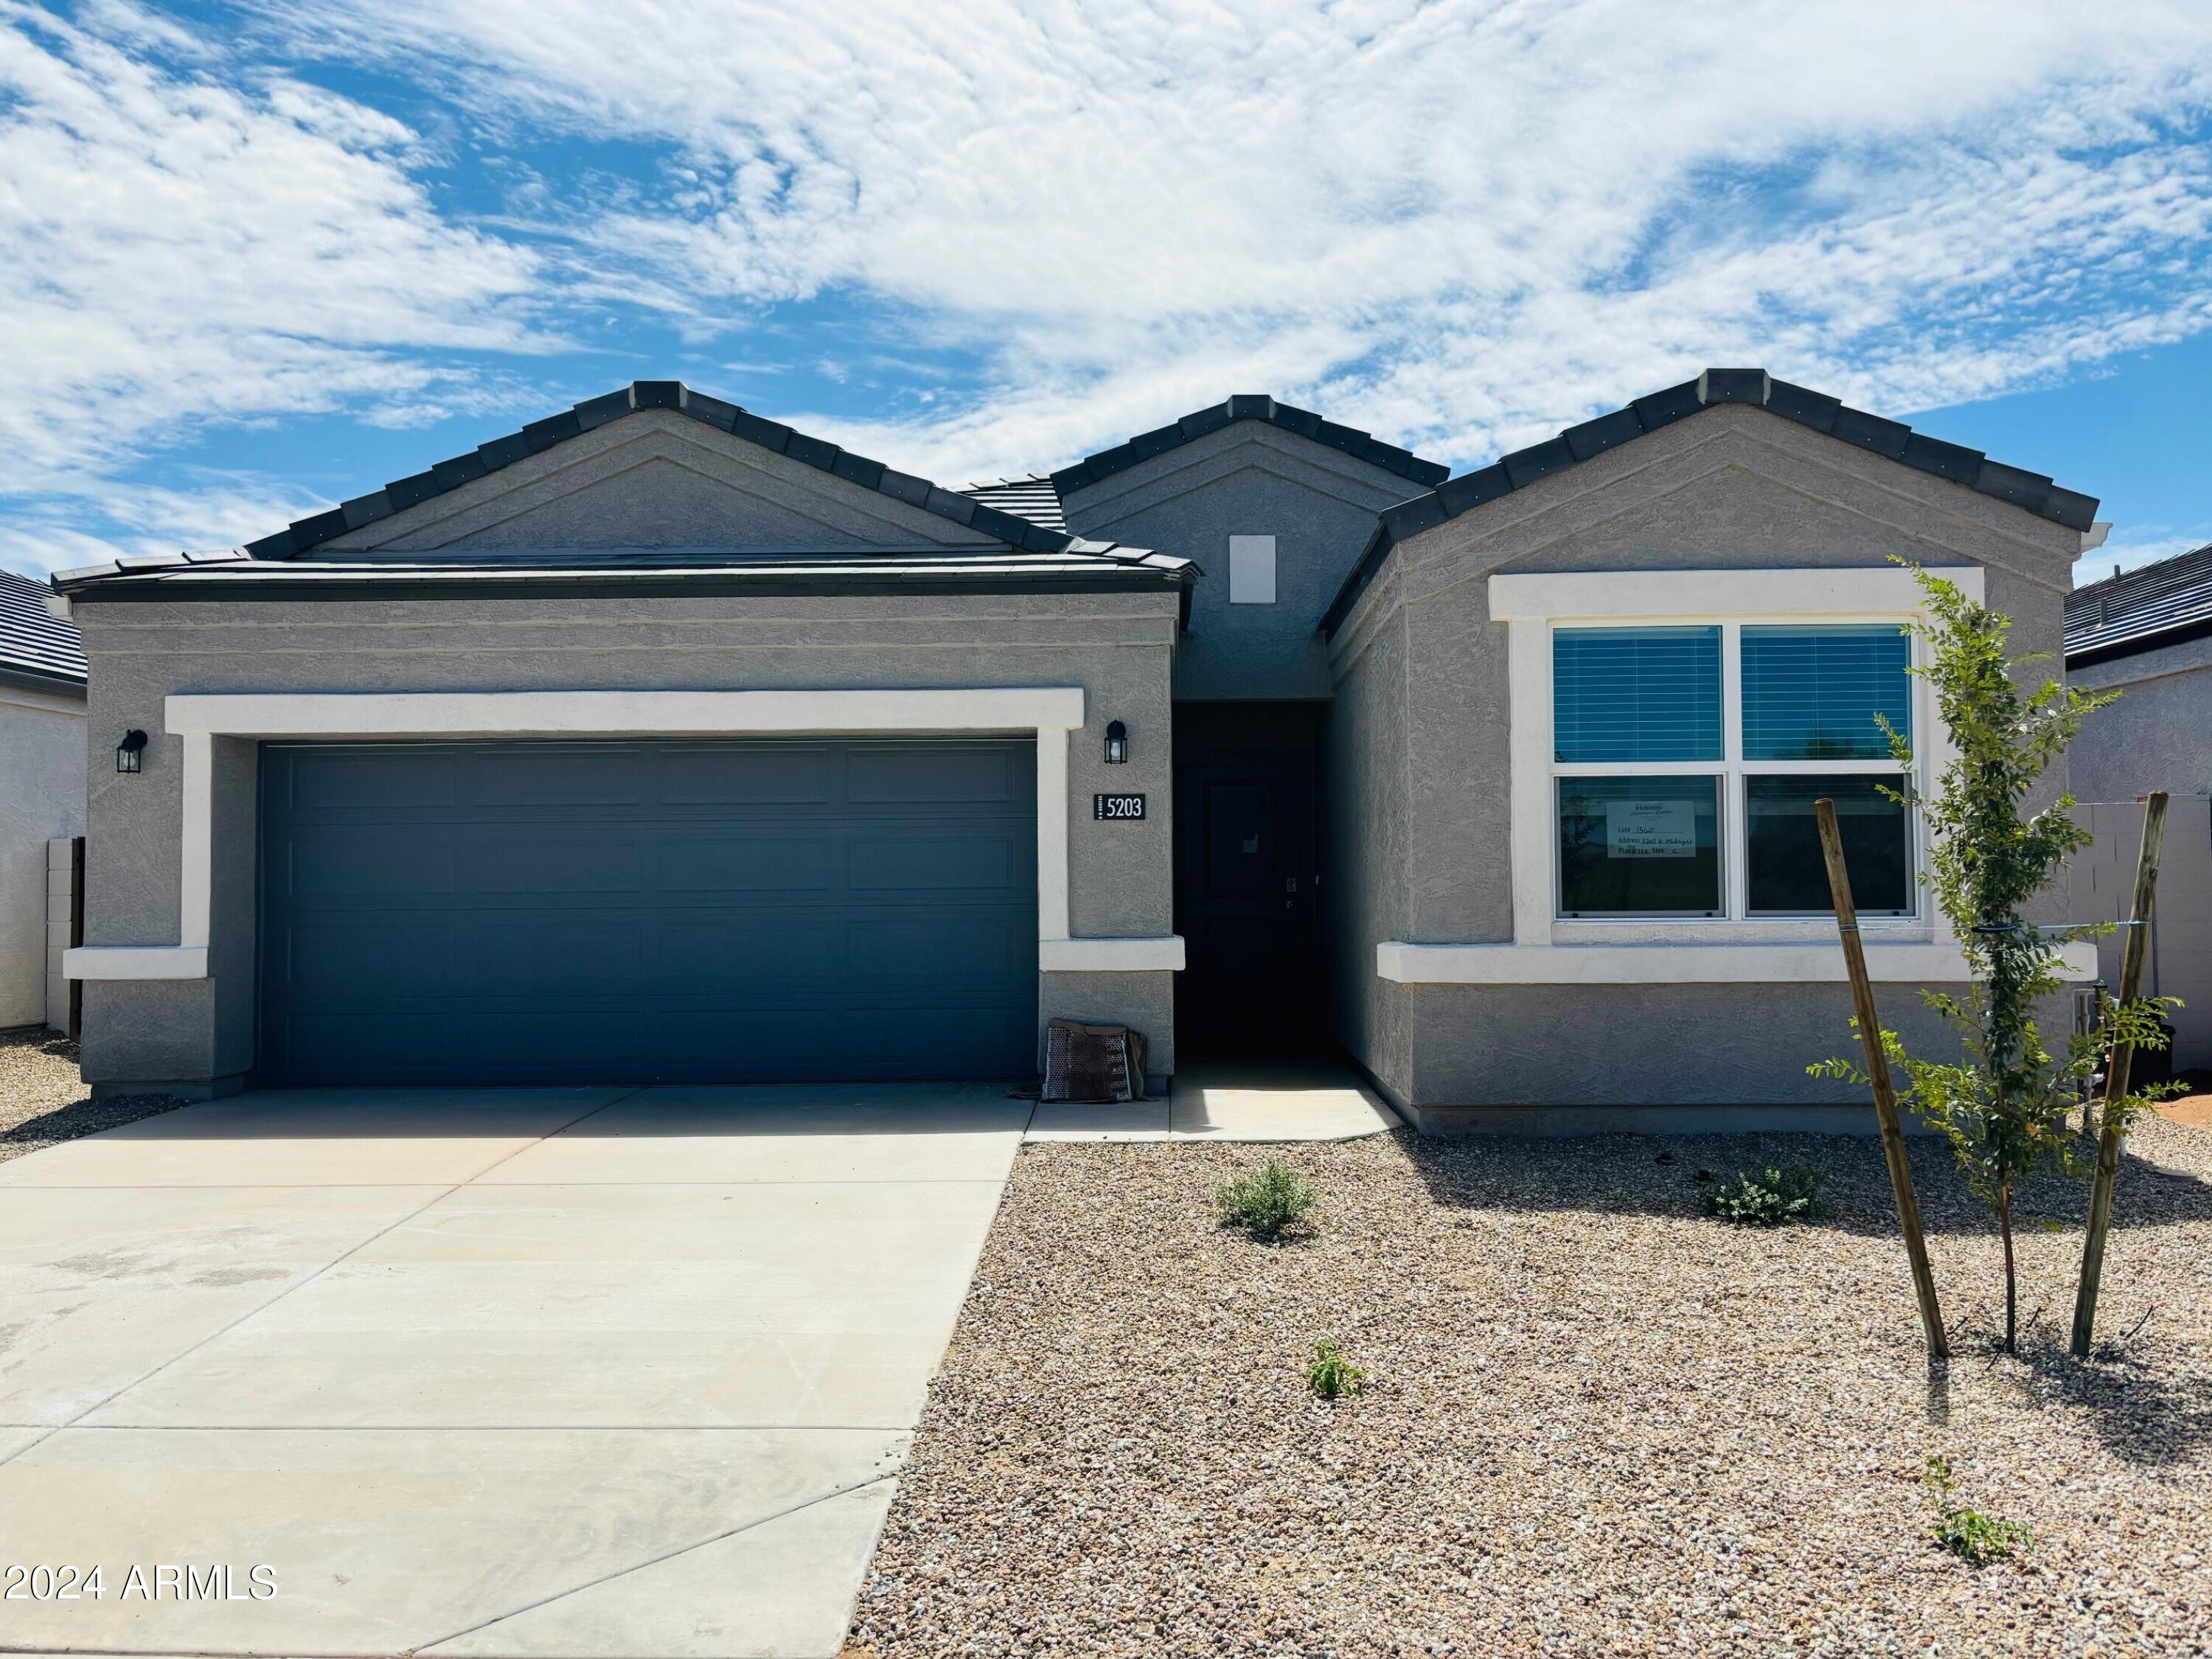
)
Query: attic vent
[{"x": 1251, "y": 570}]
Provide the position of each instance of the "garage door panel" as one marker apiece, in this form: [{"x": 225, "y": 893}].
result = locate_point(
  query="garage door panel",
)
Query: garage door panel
[
  {"x": 709, "y": 863},
  {"x": 560, "y": 775},
  {"x": 694, "y": 909},
  {"x": 332, "y": 958},
  {"x": 766, "y": 955},
  {"x": 344, "y": 861},
  {"x": 538, "y": 860},
  {"x": 934, "y": 859},
  {"x": 931, "y": 944},
  {"x": 407, "y": 778},
  {"x": 899, "y": 774},
  {"x": 800, "y": 776}
]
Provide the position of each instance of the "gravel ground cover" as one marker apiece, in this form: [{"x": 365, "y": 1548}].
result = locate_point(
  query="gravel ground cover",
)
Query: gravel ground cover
[
  {"x": 43, "y": 1103},
  {"x": 1597, "y": 1422}
]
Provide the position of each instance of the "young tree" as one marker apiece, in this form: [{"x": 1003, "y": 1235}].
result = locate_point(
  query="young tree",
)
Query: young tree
[{"x": 2004, "y": 1105}]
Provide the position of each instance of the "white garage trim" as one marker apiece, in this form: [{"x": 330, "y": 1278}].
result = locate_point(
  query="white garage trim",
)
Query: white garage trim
[
  {"x": 1111, "y": 956},
  {"x": 1051, "y": 711}
]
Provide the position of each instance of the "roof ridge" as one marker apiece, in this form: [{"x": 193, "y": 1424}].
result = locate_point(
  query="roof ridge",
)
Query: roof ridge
[
  {"x": 641, "y": 395},
  {"x": 1250, "y": 406},
  {"x": 2033, "y": 492}
]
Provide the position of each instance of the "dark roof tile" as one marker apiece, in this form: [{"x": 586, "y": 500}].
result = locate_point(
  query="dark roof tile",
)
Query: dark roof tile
[
  {"x": 2159, "y": 604},
  {"x": 1249, "y": 406},
  {"x": 1034, "y": 498},
  {"x": 1018, "y": 528},
  {"x": 1754, "y": 387},
  {"x": 36, "y": 647}
]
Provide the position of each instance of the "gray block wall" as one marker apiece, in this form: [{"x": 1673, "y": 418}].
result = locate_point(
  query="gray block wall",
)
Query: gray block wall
[{"x": 2100, "y": 887}]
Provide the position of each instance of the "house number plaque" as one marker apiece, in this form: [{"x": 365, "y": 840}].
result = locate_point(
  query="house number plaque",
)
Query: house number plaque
[{"x": 1129, "y": 808}]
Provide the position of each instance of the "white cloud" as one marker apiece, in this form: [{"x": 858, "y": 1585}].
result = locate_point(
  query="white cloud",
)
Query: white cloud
[
  {"x": 1463, "y": 223},
  {"x": 180, "y": 251},
  {"x": 1460, "y": 222}
]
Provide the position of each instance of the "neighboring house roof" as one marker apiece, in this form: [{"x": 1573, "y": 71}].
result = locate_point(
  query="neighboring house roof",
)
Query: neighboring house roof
[
  {"x": 1035, "y": 498},
  {"x": 540, "y": 435},
  {"x": 2161, "y": 604},
  {"x": 1249, "y": 406},
  {"x": 2032, "y": 492},
  {"x": 37, "y": 650}
]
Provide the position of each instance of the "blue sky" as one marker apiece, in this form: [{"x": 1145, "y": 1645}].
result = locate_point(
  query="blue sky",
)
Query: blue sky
[{"x": 258, "y": 258}]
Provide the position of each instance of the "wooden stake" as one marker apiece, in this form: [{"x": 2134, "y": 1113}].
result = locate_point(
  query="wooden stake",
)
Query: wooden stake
[
  {"x": 2112, "y": 1130},
  {"x": 1885, "y": 1097}
]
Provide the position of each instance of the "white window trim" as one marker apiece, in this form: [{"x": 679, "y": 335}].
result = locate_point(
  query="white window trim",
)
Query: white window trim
[
  {"x": 1052, "y": 712},
  {"x": 1545, "y": 950}
]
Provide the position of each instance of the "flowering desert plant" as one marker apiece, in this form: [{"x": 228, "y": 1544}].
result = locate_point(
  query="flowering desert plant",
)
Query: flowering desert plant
[{"x": 2004, "y": 1105}]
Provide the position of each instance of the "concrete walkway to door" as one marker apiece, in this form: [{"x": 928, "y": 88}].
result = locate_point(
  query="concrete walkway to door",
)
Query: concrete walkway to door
[{"x": 596, "y": 1372}]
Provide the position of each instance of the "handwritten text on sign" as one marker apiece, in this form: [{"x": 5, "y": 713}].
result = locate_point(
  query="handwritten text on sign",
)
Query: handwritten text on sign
[{"x": 1652, "y": 828}]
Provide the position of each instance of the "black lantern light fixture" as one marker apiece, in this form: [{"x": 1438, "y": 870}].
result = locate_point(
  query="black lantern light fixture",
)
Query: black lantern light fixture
[
  {"x": 128, "y": 751},
  {"x": 1117, "y": 743}
]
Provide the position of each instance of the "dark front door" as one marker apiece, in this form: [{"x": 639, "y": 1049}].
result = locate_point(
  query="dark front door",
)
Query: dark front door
[
  {"x": 1246, "y": 893},
  {"x": 710, "y": 910}
]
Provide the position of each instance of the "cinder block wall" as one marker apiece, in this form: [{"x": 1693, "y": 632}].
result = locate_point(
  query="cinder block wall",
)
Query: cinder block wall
[
  {"x": 61, "y": 904},
  {"x": 2100, "y": 883}
]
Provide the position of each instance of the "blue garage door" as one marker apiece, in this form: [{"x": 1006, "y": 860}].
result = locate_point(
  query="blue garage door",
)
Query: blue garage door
[{"x": 754, "y": 911}]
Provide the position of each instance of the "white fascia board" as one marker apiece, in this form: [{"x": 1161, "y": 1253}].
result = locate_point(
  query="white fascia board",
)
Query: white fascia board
[
  {"x": 1112, "y": 956},
  {"x": 1681, "y": 964},
  {"x": 620, "y": 713},
  {"x": 1738, "y": 595},
  {"x": 134, "y": 962}
]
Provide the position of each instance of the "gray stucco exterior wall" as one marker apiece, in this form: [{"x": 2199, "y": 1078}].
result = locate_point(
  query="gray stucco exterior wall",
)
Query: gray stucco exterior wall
[
  {"x": 1247, "y": 479},
  {"x": 1424, "y": 785},
  {"x": 1118, "y": 648},
  {"x": 42, "y": 770},
  {"x": 2158, "y": 735}
]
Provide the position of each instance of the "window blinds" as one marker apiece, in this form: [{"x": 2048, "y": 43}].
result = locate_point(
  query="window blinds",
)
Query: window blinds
[
  {"x": 1813, "y": 693},
  {"x": 1636, "y": 694}
]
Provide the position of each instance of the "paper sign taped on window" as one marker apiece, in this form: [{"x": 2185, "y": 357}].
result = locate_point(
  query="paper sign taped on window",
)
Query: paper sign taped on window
[{"x": 1652, "y": 828}]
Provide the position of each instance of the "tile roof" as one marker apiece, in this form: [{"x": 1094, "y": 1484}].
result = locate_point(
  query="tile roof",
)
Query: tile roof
[
  {"x": 1035, "y": 498},
  {"x": 37, "y": 648},
  {"x": 1081, "y": 567},
  {"x": 1250, "y": 406},
  {"x": 2032, "y": 492},
  {"x": 540, "y": 435},
  {"x": 2160, "y": 605}
]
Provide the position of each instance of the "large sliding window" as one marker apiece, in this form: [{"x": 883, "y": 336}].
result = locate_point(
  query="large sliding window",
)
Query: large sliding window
[{"x": 1686, "y": 760}]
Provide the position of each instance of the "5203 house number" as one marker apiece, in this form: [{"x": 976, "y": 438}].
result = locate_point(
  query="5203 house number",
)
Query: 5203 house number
[{"x": 1129, "y": 808}]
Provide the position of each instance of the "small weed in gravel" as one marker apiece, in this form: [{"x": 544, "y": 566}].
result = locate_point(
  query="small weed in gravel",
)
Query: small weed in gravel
[
  {"x": 1331, "y": 1375},
  {"x": 1266, "y": 1204},
  {"x": 1765, "y": 1198},
  {"x": 1975, "y": 1538}
]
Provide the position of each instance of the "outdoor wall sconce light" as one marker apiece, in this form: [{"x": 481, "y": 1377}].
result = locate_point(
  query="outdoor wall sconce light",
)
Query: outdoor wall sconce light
[
  {"x": 128, "y": 751},
  {"x": 1117, "y": 743}
]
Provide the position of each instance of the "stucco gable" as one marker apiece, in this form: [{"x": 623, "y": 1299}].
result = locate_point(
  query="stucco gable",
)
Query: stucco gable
[
  {"x": 452, "y": 485},
  {"x": 1736, "y": 488},
  {"x": 1952, "y": 480},
  {"x": 1298, "y": 467},
  {"x": 655, "y": 479}
]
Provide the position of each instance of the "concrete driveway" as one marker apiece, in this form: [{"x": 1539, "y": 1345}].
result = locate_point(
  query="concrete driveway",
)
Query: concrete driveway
[{"x": 483, "y": 1372}]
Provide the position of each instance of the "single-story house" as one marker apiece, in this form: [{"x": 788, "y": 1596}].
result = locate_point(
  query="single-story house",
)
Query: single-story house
[
  {"x": 659, "y": 740},
  {"x": 42, "y": 744},
  {"x": 2147, "y": 634}
]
